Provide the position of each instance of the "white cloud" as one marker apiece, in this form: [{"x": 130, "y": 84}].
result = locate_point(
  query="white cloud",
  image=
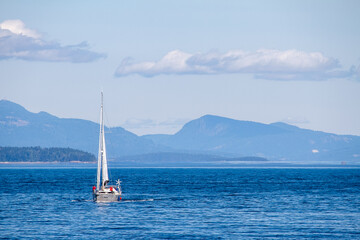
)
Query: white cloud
[
  {"x": 264, "y": 63},
  {"x": 173, "y": 62},
  {"x": 19, "y": 42},
  {"x": 18, "y": 27}
]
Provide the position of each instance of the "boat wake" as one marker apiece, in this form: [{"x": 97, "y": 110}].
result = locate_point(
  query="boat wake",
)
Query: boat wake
[
  {"x": 121, "y": 201},
  {"x": 82, "y": 200},
  {"x": 138, "y": 200}
]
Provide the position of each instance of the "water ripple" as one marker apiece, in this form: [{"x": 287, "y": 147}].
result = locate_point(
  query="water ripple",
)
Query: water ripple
[{"x": 182, "y": 204}]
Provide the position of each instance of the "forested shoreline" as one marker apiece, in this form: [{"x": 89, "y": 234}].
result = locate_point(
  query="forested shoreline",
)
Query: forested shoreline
[{"x": 38, "y": 154}]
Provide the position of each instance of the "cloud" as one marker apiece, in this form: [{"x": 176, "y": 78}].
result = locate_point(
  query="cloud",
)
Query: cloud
[
  {"x": 263, "y": 63},
  {"x": 18, "y": 27},
  {"x": 19, "y": 42}
]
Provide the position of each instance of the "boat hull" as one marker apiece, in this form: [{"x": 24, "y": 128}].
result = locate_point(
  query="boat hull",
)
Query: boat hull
[{"x": 106, "y": 197}]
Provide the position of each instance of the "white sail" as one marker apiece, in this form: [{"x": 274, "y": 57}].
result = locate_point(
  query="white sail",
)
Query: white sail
[
  {"x": 102, "y": 161},
  {"x": 99, "y": 164},
  {"x": 105, "y": 176}
]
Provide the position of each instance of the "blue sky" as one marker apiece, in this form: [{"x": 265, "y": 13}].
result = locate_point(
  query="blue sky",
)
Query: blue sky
[{"x": 163, "y": 63}]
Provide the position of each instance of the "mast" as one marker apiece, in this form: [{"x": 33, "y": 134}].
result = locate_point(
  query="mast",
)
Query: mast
[{"x": 102, "y": 161}]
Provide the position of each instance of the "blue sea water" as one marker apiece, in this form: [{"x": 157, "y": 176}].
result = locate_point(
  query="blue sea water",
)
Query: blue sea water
[{"x": 182, "y": 204}]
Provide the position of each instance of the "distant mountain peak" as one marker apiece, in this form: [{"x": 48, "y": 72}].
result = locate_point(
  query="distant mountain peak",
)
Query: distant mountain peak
[
  {"x": 6, "y": 105},
  {"x": 209, "y": 125},
  {"x": 211, "y": 116},
  {"x": 215, "y": 126}
]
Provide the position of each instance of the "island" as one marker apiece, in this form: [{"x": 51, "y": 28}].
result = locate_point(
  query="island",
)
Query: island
[{"x": 44, "y": 155}]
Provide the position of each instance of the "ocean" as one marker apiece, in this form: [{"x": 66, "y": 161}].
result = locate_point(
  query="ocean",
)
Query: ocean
[{"x": 182, "y": 204}]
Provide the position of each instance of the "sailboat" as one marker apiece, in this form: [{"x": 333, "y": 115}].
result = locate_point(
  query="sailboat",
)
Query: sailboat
[{"x": 104, "y": 192}]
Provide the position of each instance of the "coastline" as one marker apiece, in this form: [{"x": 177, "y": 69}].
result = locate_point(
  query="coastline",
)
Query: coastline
[
  {"x": 54, "y": 162},
  {"x": 78, "y": 164}
]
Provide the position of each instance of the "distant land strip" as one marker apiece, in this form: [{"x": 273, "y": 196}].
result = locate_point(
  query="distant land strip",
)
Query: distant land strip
[{"x": 44, "y": 155}]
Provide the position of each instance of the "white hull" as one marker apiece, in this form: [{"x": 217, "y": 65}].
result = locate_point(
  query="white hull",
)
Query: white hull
[{"x": 106, "y": 197}]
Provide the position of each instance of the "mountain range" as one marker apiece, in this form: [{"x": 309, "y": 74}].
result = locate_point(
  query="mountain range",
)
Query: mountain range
[
  {"x": 21, "y": 128},
  {"x": 212, "y": 137},
  {"x": 276, "y": 141}
]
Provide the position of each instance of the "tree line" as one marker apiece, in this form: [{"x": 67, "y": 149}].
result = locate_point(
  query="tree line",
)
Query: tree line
[{"x": 38, "y": 154}]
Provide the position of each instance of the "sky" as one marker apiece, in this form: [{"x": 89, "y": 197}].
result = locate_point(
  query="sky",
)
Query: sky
[{"x": 161, "y": 64}]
